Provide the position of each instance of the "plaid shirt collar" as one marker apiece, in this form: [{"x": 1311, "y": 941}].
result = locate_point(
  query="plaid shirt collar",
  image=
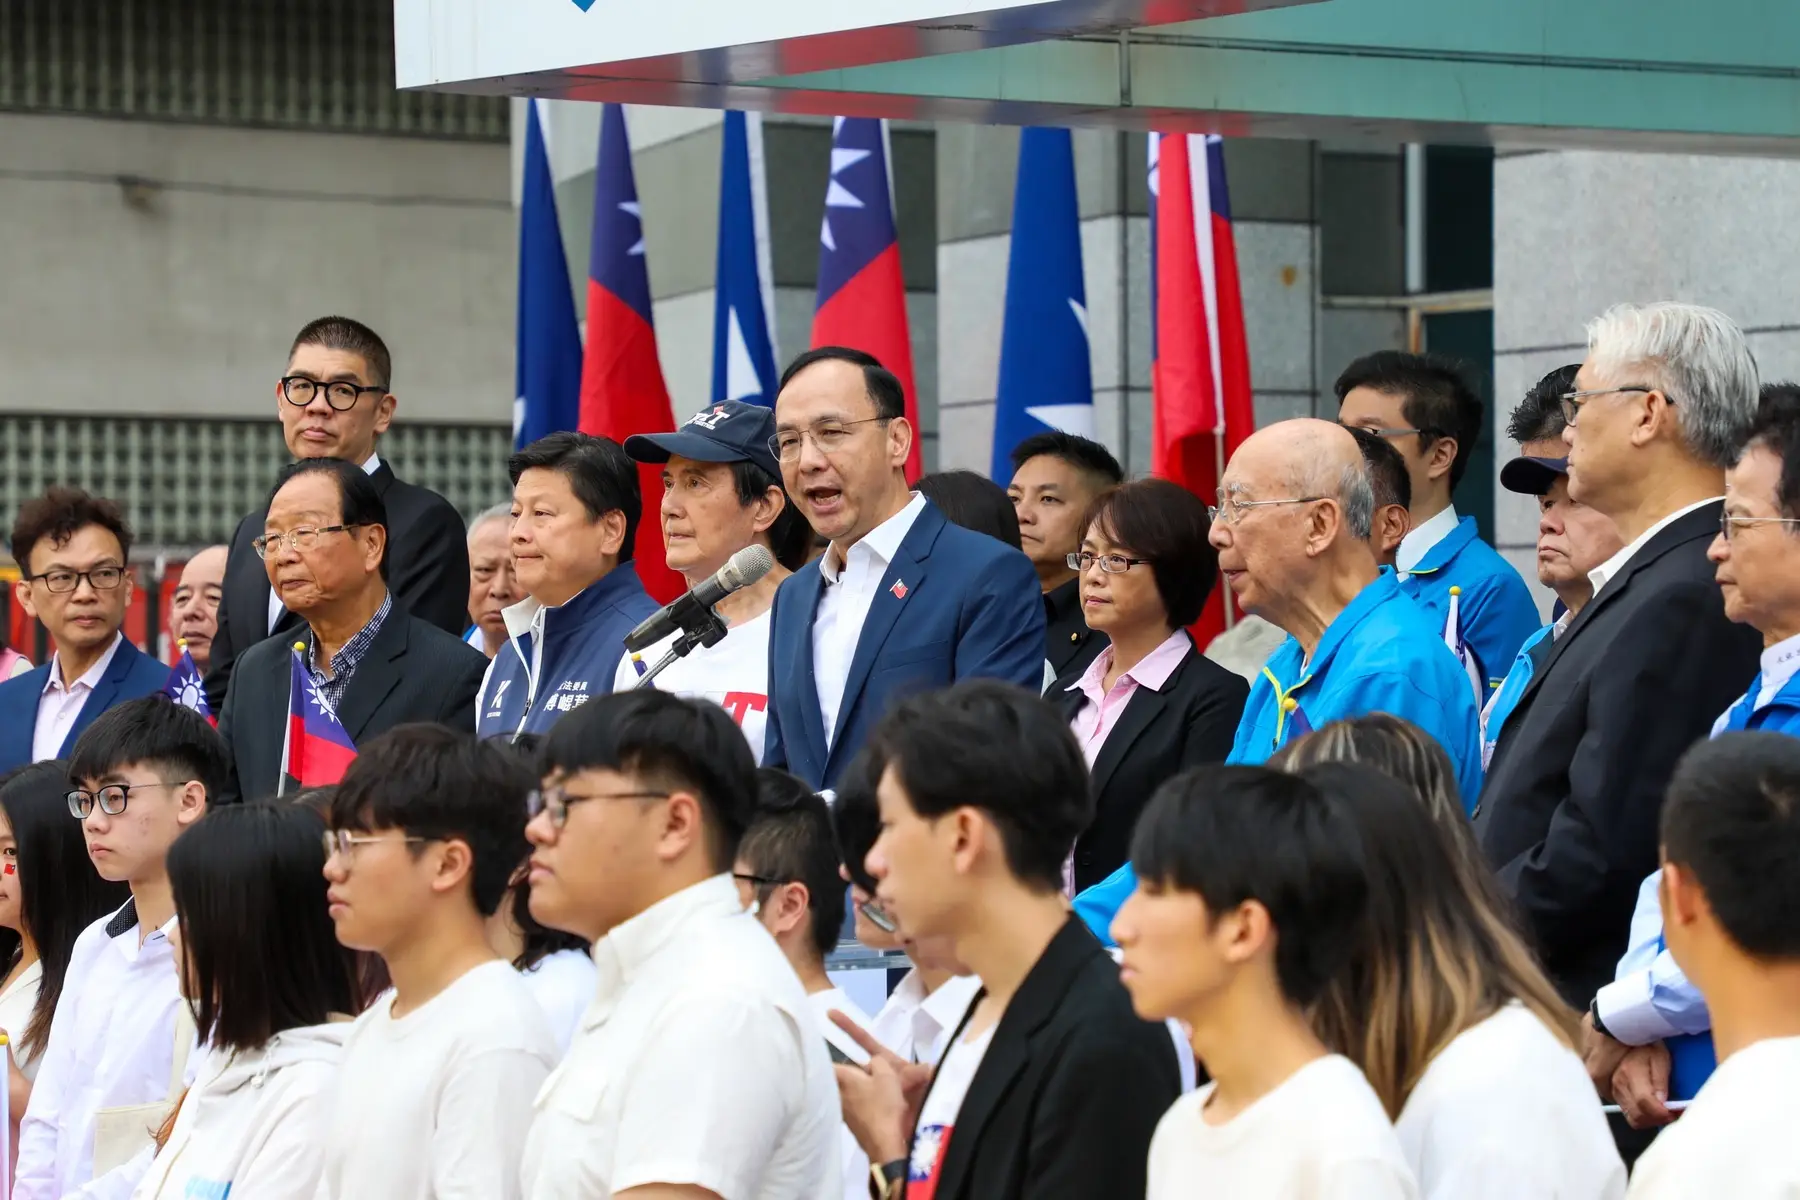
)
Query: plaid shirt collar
[{"x": 344, "y": 662}]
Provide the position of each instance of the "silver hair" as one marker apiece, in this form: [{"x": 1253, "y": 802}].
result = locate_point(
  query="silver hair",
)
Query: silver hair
[
  {"x": 1697, "y": 356},
  {"x": 496, "y": 512},
  {"x": 1355, "y": 492}
]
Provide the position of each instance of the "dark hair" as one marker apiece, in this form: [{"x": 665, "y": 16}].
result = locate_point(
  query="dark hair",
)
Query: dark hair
[
  {"x": 352, "y": 337},
  {"x": 1540, "y": 414},
  {"x": 60, "y": 893},
  {"x": 1167, "y": 524},
  {"x": 1732, "y": 821},
  {"x": 1387, "y": 470},
  {"x": 1084, "y": 454},
  {"x": 1236, "y": 834},
  {"x": 974, "y": 502},
  {"x": 359, "y": 500},
  {"x": 1777, "y": 429},
  {"x": 441, "y": 784},
  {"x": 1434, "y": 954},
  {"x": 262, "y": 952},
  {"x": 599, "y": 472},
  {"x": 539, "y": 940},
  {"x": 1435, "y": 397},
  {"x": 997, "y": 748},
  {"x": 153, "y": 731},
  {"x": 882, "y": 385},
  {"x": 61, "y": 513},
  {"x": 670, "y": 742},
  {"x": 856, "y": 818},
  {"x": 790, "y": 839},
  {"x": 790, "y": 537}
]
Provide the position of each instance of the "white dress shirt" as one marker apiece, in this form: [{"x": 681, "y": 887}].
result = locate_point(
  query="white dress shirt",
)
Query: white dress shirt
[
  {"x": 849, "y": 593},
  {"x": 59, "y": 706},
  {"x": 698, "y": 1064},
  {"x": 1421, "y": 538},
  {"x": 915, "y": 1026},
  {"x": 1611, "y": 567},
  {"x": 16, "y": 1003},
  {"x": 112, "y": 1044},
  {"x": 276, "y": 607}
]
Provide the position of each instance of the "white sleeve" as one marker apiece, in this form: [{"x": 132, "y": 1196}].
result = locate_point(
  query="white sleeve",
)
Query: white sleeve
[
  {"x": 483, "y": 1116},
  {"x": 34, "y": 1177},
  {"x": 120, "y": 1182},
  {"x": 1374, "y": 1179}
]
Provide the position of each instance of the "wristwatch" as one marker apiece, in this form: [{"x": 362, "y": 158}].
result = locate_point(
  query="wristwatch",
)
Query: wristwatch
[
  {"x": 1594, "y": 1018},
  {"x": 887, "y": 1181}
]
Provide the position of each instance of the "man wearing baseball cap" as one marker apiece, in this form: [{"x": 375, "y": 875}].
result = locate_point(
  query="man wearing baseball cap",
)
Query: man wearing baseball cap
[
  {"x": 722, "y": 492},
  {"x": 1573, "y": 539}
]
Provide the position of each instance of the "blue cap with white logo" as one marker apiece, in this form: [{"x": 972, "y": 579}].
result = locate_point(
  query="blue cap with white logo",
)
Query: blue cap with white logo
[{"x": 729, "y": 431}]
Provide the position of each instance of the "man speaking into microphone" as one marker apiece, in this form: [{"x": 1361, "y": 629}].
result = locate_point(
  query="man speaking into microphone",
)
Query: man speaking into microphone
[{"x": 721, "y": 494}]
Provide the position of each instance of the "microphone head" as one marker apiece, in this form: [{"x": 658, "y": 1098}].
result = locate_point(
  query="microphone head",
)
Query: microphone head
[{"x": 746, "y": 567}]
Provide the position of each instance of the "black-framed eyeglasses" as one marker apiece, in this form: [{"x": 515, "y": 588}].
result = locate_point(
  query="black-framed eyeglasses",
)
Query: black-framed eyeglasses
[
  {"x": 343, "y": 842},
  {"x": 828, "y": 436},
  {"x": 1727, "y": 522},
  {"x": 299, "y": 540},
  {"x": 1112, "y": 564},
  {"x": 555, "y": 801},
  {"x": 112, "y": 797},
  {"x": 1572, "y": 401},
  {"x": 757, "y": 881},
  {"x": 341, "y": 394},
  {"x": 103, "y": 579},
  {"x": 1385, "y": 432}
]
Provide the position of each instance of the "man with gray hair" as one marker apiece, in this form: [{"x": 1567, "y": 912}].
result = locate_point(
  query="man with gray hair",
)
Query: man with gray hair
[
  {"x": 492, "y": 584},
  {"x": 1292, "y": 531},
  {"x": 1568, "y": 817}
]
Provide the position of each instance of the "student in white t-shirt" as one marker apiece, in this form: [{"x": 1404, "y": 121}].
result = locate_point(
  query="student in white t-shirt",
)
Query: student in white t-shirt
[
  {"x": 1731, "y": 917},
  {"x": 721, "y": 492},
  {"x": 1444, "y": 1007},
  {"x": 433, "y": 1098},
  {"x": 557, "y": 967},
  {"x": 1250, "y": 885}
]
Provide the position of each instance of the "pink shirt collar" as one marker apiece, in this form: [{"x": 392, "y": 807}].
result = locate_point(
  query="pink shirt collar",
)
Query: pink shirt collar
[{"x": 1152, "y": 671}]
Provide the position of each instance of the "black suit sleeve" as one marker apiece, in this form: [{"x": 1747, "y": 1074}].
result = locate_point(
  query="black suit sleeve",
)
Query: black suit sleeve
[
  {"x": 774, "y": 749},
  {"x": 1212, "y": 726},
  {"x": 229, "y": 718},
  {"x": 458, "y": 711},
  {"x": 430, "y": 571},
  {"x": 1657, "y": 693},
  {"x": 224, "y": 647},
  {"x": 1098, "y": 1109}
]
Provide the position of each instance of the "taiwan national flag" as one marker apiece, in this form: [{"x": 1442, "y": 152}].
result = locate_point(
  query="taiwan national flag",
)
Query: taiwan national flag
[
  {"x": 547, "y": 367},
  {"x": 862, "y": 294},
  {"x": 185, "y": 686},
  {"x": 318, "y": 751},
  {"x": 1046, "y": 381},
  {"x": 1199, "y": 362},
  {"x": 622, "y": 389},
  {"x": 743, "y": 302}
]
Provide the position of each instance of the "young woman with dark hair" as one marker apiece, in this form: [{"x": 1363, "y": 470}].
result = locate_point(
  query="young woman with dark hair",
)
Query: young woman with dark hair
[
  {"x": 49, "y": 893},
  {"x": 272, "y": 994}
]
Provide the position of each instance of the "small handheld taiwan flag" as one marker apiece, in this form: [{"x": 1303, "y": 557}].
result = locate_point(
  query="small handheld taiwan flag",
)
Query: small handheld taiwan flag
[
  {"x": 185, "y": 686},
  {"x": 317, "y": 751}
]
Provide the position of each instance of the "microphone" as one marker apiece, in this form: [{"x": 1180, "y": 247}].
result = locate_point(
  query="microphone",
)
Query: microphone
[{"x": 740, "y": 571}]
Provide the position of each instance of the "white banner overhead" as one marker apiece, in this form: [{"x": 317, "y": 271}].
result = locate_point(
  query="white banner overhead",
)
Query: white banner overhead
[{"x": 551, "y": 46}]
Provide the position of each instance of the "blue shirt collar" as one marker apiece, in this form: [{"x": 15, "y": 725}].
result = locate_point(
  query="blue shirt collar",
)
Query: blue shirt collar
[{"x": 1447, "y": 548}]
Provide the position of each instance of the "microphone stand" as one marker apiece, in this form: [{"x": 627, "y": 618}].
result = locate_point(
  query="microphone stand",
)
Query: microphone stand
[{"x": 707, "y": 630}]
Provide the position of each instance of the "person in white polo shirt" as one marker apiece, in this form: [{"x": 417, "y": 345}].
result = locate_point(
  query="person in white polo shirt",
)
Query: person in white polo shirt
[
  {"x": 699, "y": 1069},
  {"x": 722, "y": 492}
]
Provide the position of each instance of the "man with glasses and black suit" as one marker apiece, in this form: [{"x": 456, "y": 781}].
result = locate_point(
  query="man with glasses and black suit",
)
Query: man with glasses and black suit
[{"x": 334, "y": 402}]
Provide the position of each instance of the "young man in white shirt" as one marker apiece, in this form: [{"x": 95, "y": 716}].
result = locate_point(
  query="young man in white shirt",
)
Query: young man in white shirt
[
  {"x": 140, "y": 775},
  {"x": 699, "y": 1071},
  {"x": 434, "y": 1092},
  {"x": 1250, "y": 886},
  {"x": 1731, "y": 916},
  {"x": 721, "y": 492}
]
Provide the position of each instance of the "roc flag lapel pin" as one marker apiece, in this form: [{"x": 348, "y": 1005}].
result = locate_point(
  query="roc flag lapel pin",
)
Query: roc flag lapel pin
[{"x": 899, "y": 589}]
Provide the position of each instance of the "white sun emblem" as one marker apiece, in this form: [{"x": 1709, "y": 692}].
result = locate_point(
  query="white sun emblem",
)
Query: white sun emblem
[
  {"x": 318, "y": 700},
  {"x": 190, "y": 693}
]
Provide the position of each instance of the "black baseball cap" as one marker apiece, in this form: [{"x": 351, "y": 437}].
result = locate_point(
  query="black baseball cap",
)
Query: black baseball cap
[
  {"x": 729, "y": 431},
  {"x": 1532, "y": 476}
]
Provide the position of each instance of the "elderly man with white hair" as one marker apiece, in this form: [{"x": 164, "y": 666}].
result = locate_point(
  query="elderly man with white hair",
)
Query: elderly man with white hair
[
  {"x": 1662, "y": 404},
  {"x": 492, "y": 584},
  {"x": 1292, "y": 531}
]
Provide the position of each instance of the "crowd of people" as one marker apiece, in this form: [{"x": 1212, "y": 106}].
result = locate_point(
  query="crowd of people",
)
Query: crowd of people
[{"x": 1393, "y": 891}]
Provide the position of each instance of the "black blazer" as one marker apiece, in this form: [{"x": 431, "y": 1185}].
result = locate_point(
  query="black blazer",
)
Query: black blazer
[
  {"x": 1070, "y": 1090},
  {"x": 1568, "y": 814},
  {"x": 1068, "y": 642},
  {"x": 428, "y": 569},
  {"x": 1191, "y": 719},
  {"x": 412, "y": 672}
]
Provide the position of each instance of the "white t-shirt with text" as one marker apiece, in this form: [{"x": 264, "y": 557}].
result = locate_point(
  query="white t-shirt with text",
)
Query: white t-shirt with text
[
  {"x": 1736, "y": 1139},
  {"x": 1321, "y": 1135},
  {"x": 734, "y": 674}
]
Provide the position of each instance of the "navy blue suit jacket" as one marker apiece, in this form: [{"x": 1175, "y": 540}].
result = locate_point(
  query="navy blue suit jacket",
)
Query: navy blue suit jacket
[
  {"x": 953, "y": 604},
  {"x": 130, "y": 674}
]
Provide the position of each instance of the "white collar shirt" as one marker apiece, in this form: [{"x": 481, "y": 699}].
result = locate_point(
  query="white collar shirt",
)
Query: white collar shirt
[
  {"x": 844, "y": 607},
  {"x": 1610, "y": 569},
  {"x": 1419, "y": 540},
  {"x": 112, "y": 1044},
  {"x": 699, "y": 1064},
  {"x": 59, "y": 706},
  {"x": 914, "y": 1025},
  {"x": 276, "y": 607}
]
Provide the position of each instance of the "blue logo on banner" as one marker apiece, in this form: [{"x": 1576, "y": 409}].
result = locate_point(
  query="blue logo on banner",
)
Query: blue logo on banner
[{"x": 584, "y": 5}]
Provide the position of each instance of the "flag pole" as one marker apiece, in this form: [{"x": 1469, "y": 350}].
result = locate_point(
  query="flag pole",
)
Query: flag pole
[{"x": 1219, "y": 474}]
